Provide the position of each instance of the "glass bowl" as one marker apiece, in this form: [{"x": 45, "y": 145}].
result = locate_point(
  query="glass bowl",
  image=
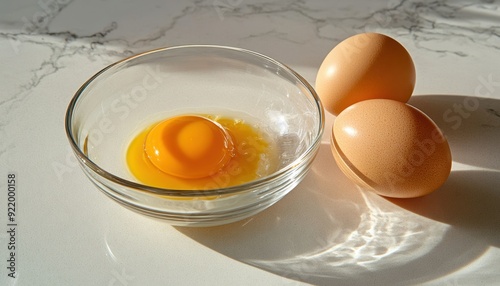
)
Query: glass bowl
[{"x": 123, "y": 98}]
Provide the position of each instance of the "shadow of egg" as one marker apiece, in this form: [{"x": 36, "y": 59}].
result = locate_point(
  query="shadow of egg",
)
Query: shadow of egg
[
  {"x": 468, "y": 201},
  {"x": 470, "y": 123}
]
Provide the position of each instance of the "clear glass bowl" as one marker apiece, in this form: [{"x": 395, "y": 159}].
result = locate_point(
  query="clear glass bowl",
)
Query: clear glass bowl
[{"x": 125, "y": 97}]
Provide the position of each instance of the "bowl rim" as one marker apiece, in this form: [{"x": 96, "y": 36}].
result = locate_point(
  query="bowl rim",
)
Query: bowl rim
[{"x": 83, "y": 159}]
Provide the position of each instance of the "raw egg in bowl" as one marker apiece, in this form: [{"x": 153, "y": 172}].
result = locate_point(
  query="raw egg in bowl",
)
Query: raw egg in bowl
[{"x": 196, "y": 135}]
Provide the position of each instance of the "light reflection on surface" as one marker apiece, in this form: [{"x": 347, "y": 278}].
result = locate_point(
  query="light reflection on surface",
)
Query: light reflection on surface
[
  {"x": 383, "y": 236},
  {"x": 109, "y": 252},
  {"x": 327, "y": 231}
]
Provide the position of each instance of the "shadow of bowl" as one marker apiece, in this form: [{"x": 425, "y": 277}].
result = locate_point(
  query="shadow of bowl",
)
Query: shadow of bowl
[{"x": 328, "y": 232}]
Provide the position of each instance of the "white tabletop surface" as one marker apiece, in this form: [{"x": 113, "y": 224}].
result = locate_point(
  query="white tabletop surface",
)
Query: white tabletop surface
[{"x": 326, "y": 231}]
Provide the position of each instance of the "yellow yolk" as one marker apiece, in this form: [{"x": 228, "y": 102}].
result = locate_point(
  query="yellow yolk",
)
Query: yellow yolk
[
  {"x": 189, "y": 147},
  {"x": 199, "y": 153}
]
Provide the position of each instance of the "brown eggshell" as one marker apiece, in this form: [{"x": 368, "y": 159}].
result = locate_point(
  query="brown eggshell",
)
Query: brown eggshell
[
  {"x": 365, "y": 66},
  {"x": 391, "y": 148}
]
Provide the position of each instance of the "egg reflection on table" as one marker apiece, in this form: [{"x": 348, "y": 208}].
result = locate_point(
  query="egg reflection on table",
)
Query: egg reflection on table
[{"x": 378, "y": 140}]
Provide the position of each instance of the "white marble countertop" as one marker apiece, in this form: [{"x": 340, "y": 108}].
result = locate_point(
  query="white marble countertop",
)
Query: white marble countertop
[{"x": 326, "y": 231}]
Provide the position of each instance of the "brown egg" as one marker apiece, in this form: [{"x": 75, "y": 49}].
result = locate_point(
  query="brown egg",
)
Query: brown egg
[
  {"x": 365, "y": 66},
  {"x": 390, "y": 147}
]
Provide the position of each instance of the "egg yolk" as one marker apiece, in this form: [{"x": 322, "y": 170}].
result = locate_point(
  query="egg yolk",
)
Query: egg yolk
[
  {"x": 189, "y": 147},
  {"x": 200, "y": 153}
]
